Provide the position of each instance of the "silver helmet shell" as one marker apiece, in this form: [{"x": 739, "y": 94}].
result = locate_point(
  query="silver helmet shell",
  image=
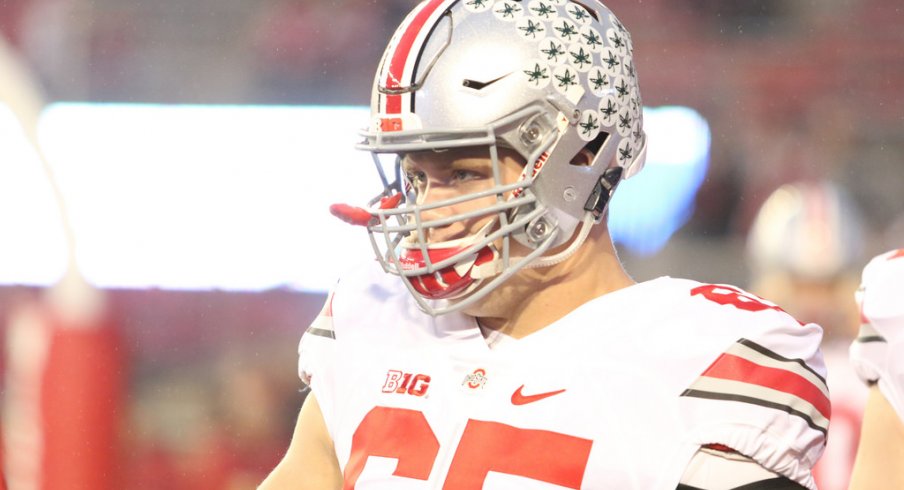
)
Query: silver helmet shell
[{"x": 546, "y": 78}]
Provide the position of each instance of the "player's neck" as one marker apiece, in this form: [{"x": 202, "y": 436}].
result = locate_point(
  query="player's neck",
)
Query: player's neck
[{"x": 536, "y": 298}]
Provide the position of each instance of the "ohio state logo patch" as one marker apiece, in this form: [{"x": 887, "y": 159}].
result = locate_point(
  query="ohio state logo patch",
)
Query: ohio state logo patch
[{"x": 475, "y": 380}]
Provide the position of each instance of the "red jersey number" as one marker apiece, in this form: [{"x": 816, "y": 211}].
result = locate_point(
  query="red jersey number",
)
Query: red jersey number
[
  {"x": 727, "y": 295},
  {"x": 484, "y": 446},
  {"x": 393, "y": 433}
]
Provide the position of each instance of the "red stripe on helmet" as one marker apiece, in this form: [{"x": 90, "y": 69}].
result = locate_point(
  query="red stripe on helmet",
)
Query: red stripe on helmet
[{"x": 403, "y": 51}]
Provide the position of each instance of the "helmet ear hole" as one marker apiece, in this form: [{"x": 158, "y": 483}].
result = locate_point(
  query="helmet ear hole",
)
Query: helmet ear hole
[
  {"x": 583, "y": 158},
  {"x": 586, "y": 156}
]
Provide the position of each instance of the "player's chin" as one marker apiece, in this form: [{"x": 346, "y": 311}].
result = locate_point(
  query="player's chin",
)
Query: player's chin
[{"x": 494, "y": 303}]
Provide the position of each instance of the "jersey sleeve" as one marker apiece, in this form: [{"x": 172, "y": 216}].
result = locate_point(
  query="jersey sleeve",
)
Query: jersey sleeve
[
  {"x": 317, "y": 343},
  {"x": 764, "y": 395},
  {"x": 721, "y": 468},
  {"x": 877, "y": 353}
]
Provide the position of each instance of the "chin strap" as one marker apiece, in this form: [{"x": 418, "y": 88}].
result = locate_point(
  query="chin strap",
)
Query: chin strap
[
  {"x": 586, "y": 225},
  {"x": 602, "y": 192},
  {"x": 596, "y": 206},
  {"x": 495, "y": 266}
]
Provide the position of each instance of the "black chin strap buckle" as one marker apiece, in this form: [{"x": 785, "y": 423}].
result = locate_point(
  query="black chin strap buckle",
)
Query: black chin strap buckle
[{"x": 602, "y": 192}]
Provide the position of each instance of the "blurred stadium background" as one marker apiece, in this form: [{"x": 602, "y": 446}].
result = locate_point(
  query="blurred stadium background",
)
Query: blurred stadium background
[{"x": 165, "y": 169}]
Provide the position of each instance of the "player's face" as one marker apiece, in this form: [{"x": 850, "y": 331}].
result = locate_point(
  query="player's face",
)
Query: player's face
[
  {"x": 440, "y": 175},
  {"x": 826, "y": 303}
]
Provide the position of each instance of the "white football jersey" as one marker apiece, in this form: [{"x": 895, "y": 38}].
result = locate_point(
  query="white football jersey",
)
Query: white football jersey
[
  {"x": 620, "y": 393},
  {"x": 878, "y": 352}
]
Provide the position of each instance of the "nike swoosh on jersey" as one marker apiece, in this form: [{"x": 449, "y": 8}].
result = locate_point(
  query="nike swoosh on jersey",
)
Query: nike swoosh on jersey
[{"x": 518, "y": 398}]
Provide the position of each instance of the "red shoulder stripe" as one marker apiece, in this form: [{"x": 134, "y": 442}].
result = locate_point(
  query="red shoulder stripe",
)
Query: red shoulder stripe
[
  {"x": 732, "y": 367},
  {"x": 750, "y": 373}
]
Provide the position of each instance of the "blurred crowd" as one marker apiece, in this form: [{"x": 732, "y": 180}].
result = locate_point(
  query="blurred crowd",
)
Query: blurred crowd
[
  {"x": 803, "y": 95},
  {"x": 219, "y": 422}
]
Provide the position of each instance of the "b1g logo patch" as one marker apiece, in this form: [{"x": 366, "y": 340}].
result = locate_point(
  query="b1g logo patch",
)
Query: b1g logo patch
[{"x": 401, "y": 383}]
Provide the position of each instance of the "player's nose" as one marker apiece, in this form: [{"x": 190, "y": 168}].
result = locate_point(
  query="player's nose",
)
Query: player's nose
[
  {"x": 439, "y": 226},
  {"x": 438, "y": 217}
]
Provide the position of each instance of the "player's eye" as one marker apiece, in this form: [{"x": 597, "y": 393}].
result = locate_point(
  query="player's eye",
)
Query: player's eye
[
  {"x": 416, "y": 178},
  {"x": 460, "y": 175}
]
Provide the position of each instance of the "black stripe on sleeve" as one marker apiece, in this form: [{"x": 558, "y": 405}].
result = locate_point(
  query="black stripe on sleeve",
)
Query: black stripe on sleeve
[
  {"x": 768, "y": 353},
  {"x": 871, "y": 338},
  {"x": 753, "y": 401},
  {"x": 322, "y": 332}
]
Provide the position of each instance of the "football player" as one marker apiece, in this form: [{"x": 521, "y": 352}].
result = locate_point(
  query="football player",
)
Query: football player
[
  {"x": 805, "y": 252},
  {"x": 878, "y": 356},
  {"x": 497, "y": 341}
]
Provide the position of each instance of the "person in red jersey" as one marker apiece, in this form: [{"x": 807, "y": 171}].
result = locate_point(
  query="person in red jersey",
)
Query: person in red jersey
[{"x": 497, "y": 342}]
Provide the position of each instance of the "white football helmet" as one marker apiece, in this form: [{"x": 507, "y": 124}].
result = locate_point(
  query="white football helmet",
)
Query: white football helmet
[
  {"x": 545, "y": 78},
  {"x": 804, "y": 247},
  {"x": 811, "y": 230}
]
